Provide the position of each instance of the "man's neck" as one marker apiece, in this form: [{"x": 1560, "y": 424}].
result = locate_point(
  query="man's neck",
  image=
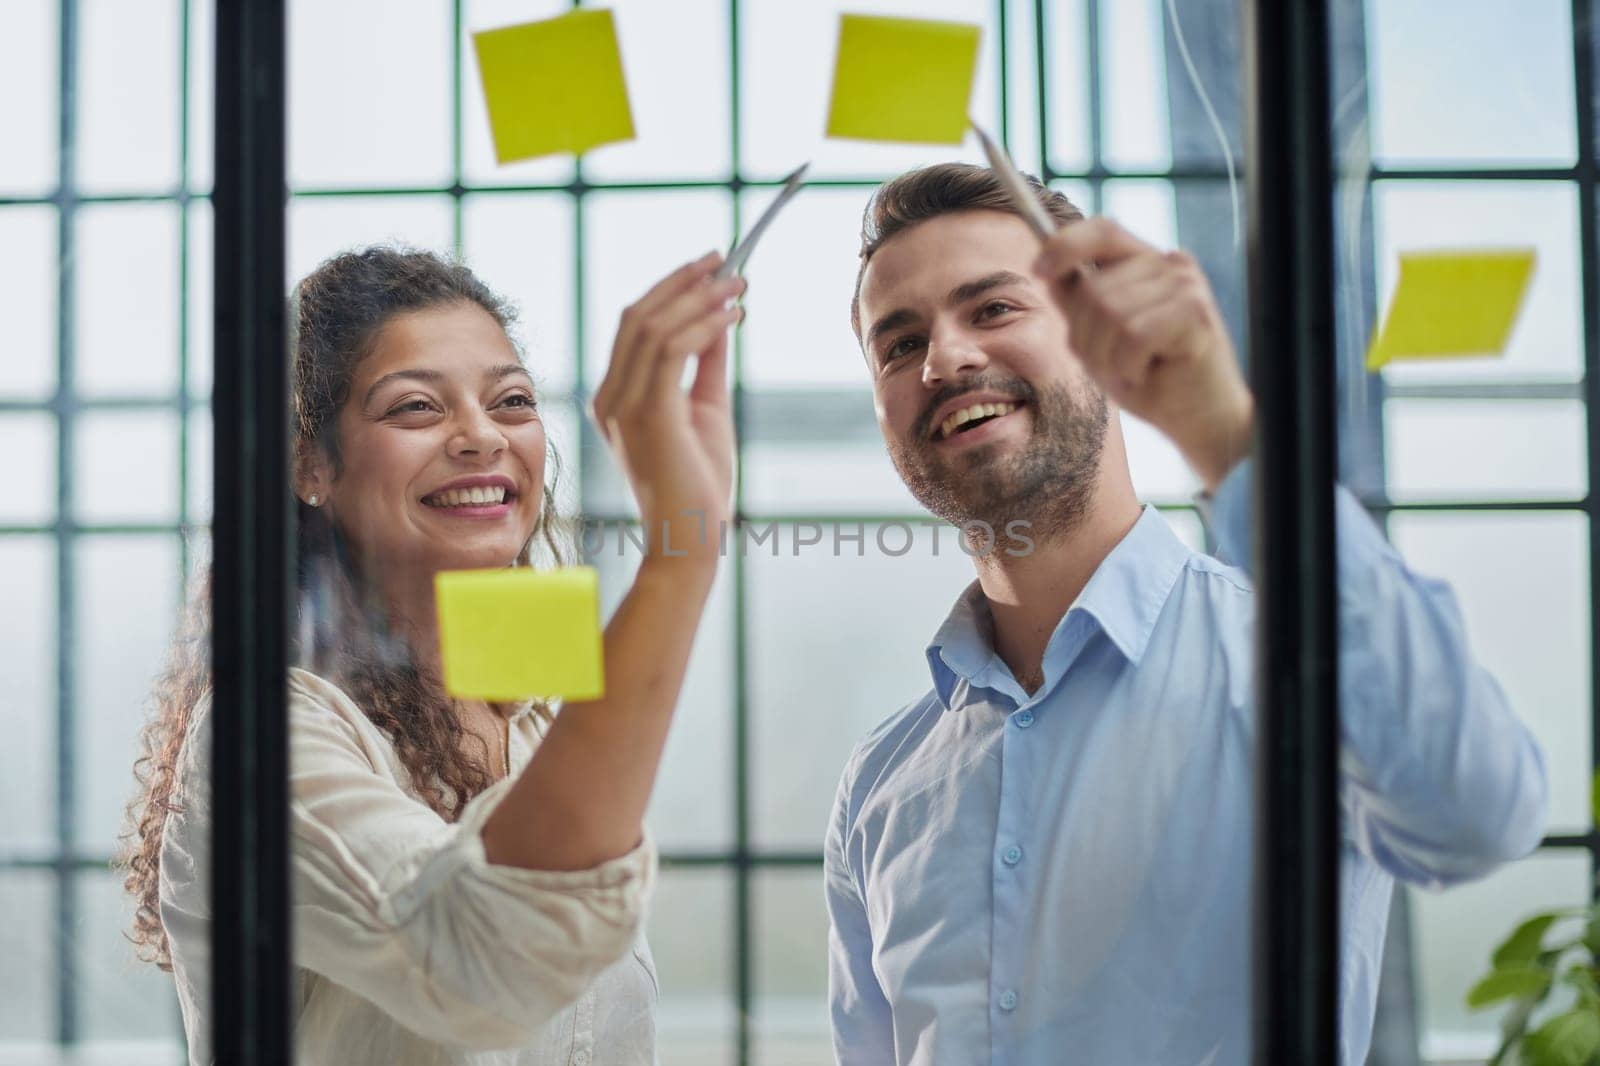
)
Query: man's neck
[{"x": 1029, "y": 594}]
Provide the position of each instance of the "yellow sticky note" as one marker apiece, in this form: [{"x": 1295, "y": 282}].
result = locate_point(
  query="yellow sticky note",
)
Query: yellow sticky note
[
  {"x": 1450, "y": 304},
  {"x": 902, "y": 79},
  {"x": 554, "y": 85},
  {"x": 511, "y": 634}
]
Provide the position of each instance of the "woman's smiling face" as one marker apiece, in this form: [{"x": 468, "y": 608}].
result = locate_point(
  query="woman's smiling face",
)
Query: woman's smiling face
[{"x": 441, "y": 450}]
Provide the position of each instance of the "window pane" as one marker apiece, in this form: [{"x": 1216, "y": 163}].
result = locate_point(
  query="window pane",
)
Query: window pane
[
  {"x": 126, "y": 603},
  {"x": 1133, "y": 96},
  {"x": 1462, "y": 83},
  {"x": 1022, "y": 85},
  {"x": 881, "y": 608},
  {"x": 129, "y": 72},
  {"x": 1485, "y": 449},
  {"x": 691, "y": 931},
  {"x": 680, "y": 109},
  {"x": 127, "y": 299},
  {"x": 122, "y": 999},
  {"x": 31, "y": 498},
  {"x": 1528, "y": 625},
  {"x": 323, "y": 226},
  {"x": 28, "y": 678},
  {"x": 522, "y": 247},
  {"x": 477, "y": 150},
  {"x": 27, "y": 1000},
  {"x": 199, "y": 303},
  {"x": 692, "y": 805},
  {"x": 791, "y": 955},
  {"x": 202, "y": 92},
  {"x": 1546, "y": 343},
  {"x": 1146, "y": 207},
  {"x": 28, "y": 279},
  {"x": 1455, "y": 932},
  {"x": 30, "y": 50},
  {"x": 800, "y": 466},
  {"x": 802, "y": 278},
  {"x": 786, "y": 59},
  {"x": 619, "y": 267},
  {"x": 1160, "y": 472},
  {"x": 1066, "y": 75},
  {"x": 369, "y": 94},
  {"x": 126, "y": 467},
  {"x": 202, "y": 489}
]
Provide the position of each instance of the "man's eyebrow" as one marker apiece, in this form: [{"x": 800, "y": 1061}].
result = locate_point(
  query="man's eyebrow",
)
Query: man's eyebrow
[
  {"x": 432, "y": 377},
  {"x": 891, "y": 321},
  {"x": 971, "y": 289}
]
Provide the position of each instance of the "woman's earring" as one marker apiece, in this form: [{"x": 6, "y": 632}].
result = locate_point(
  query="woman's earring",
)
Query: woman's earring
[{"x": 313, "y": 500}]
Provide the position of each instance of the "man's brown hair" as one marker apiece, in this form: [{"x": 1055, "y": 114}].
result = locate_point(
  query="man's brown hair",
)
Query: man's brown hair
[{"x": 942, "y": 189}]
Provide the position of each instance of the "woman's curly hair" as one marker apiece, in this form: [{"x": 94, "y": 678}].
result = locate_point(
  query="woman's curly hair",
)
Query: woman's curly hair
[{"x": 338, "y": 311}]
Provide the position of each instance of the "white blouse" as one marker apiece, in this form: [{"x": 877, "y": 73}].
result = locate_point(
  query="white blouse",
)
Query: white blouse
[{"x": 409, "y": 947}]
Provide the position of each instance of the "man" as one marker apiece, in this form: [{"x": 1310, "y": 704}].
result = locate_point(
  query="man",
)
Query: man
[{"x": 1047, "y": 858}]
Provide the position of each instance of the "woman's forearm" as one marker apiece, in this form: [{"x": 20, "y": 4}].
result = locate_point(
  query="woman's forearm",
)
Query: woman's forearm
[{"x": 582, "y": 797}]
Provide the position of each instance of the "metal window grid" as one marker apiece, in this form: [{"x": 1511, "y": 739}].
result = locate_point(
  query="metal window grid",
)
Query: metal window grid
[{"x": 68, "y": 860}]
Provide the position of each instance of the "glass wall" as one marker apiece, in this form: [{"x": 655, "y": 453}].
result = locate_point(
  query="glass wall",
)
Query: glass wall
[{"x": 1460, "y": 126}]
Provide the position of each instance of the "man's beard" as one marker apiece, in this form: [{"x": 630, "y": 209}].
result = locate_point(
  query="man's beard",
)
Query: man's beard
[{"x": 1048, "y": 483}]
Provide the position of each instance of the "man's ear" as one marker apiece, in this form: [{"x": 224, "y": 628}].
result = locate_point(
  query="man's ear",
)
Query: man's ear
[{"x": 313, "y": 474}]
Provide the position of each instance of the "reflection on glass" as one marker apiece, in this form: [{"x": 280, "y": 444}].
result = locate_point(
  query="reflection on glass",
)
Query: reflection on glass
[
  {"x": 1528, "y": 623},
  {"x": 1465, "y": 84}
]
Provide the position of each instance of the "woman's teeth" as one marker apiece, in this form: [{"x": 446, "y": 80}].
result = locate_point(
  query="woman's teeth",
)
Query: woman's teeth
[
  {"x": 479, "y": 496},
  {"x": 968, "y": 414}
]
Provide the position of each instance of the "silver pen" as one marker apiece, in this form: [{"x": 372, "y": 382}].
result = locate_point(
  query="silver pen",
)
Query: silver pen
[
  {"x": 741, "y": 251},
  {"x": 1022, "y": 194}
]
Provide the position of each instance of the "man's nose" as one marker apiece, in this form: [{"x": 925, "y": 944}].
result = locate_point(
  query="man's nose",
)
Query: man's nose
[{"x": 952, "y": 354}]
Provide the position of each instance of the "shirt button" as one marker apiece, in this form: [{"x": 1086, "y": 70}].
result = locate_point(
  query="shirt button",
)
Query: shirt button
[
  {"x": 580, "y": 1058},
  {"x": 1024, "y": 719},
  {"x": 1011, "y": 856},
  {"x": 1008, "y": 1000}
]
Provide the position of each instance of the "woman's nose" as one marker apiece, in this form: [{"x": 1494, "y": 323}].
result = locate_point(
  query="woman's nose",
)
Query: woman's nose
[{"x": 477, "y": 434}]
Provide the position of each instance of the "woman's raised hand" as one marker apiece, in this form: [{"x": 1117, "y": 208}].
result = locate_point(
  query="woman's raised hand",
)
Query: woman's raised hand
[{"x": 675, "y": 446}]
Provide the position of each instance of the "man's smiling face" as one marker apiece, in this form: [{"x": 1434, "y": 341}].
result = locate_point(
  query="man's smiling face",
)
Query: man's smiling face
[{"x": 986, "y": 413}]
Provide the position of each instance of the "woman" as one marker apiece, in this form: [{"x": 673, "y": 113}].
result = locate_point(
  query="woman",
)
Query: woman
[{"x": 469, "y": 879}]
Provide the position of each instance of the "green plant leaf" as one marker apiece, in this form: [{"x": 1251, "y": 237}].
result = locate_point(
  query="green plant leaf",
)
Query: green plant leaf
[
  {"x": 1582, "y": 977},
  {"x": 1591, "y": 934},
  {"x": 1523, "y": 945},
  {"x": 1509, "y": 982},
  {"x": 1568, "y": 1039},
  {"x": 1594, "y": 799}
]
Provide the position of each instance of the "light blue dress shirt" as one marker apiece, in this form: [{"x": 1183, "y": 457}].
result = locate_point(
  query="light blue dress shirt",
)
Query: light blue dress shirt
[{"x": 1066, "y": 877}]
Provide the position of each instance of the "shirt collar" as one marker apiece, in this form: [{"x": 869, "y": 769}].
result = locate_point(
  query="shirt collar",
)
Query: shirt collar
[{"x": 1122, "y": 599}]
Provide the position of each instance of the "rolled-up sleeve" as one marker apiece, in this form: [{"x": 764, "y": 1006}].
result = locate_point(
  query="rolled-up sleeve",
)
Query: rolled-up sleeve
[{"x": 402, "y": 907}]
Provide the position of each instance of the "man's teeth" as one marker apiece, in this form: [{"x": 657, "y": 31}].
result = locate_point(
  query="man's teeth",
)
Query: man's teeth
[
  {"x": 482, "y": 494},
  {"x": 977, "y": 410}
]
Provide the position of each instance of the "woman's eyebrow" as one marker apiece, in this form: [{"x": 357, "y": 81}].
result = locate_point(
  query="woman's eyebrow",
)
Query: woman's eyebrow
[
  {"x": 432, "y": 377},
  {"x": 495, "y": 373}
]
